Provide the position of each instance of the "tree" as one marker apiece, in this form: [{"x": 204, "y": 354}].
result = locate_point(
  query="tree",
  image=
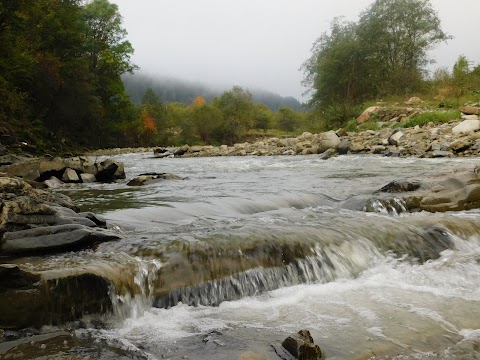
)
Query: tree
[
  {"x": 383, "y": 54},
  {"x": 396, "y": 35},
  {"x": 105, "y": 45},
  {"x": 264, "y": 117},
  {"x": 237, "y": 108},
  {"x": 199, "y": 101},
  {"x": 207, "y": 121},
  {"x": 287, "y": 119},
  {"x": 336, "y": 71}
]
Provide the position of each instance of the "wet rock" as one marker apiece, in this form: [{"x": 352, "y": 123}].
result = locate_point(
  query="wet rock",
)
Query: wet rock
[
  {"x": 88, "y": 178},
  {"x": 51, "y": 239},
  {"x": 11, "y": 277},
  {"x": 151, "y": 178},
  {"x": 53, "y": 182},
  {"x": 110, "y": 170},
  {"x": 400, "y": 186},
  {"x": 37, "y": 221},
  {"x": 441, "y": 153},
  {"x": 70, "y": 176},
  {"x": 51, "y": 298},
  {"x": 438, "y": 192},
  {"x": 107, "y": 170},
  {"x": 328, "y": 154},
  {"x": 301, "y": 346},
  {"x": 162, "y": 153}
]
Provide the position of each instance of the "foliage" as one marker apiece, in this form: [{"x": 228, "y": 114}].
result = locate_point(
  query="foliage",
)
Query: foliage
[
  {"x": 263, "y": 117},
  {"x": 383, "y": 54},
  {"x": 237, "y": 108},
  {"x": 60, "y": 67}
]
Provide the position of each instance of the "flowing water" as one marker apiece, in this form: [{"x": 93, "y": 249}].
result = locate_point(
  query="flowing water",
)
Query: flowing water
[{"x": 248, "y": 250}]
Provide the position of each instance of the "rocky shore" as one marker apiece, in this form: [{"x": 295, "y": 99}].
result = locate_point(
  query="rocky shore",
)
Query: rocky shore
[{"x": 457, "y": 138}]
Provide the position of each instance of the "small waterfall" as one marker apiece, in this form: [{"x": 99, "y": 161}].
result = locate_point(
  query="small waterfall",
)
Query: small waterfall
[
  {"x": 390, "y": 206},
  {"x": 140, "y": 296},
  {"x": 324, "y": 265}
]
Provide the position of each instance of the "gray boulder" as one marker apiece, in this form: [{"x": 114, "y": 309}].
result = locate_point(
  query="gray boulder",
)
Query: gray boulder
[
  {"x": 325, "y": 141},
  {"x": 70, "y": 176},
  {"x": 52, "y": 239},
  {"x": 466, "y": 126}
]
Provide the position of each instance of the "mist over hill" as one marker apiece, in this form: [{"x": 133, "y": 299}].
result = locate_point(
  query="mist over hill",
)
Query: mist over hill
[{"x": 175, "y": 90}]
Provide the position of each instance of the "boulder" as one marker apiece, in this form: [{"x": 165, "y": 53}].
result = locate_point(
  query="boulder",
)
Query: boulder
[
  {"x": 88, "y": 178},
  {"x": 341, "y": 132},
  {"x": 29, "y": 299},
  {"x": 466, "y": 126},
  {"x": 51, "y": 239},
  {"x": 470, "y": 110},
  {"x": 394, "y": 139},
  {"x": 53, "y": 182},
  {"x": 413, "y": 101},
  {"x": 325, "y": 141},
  {"x": 110, "y": 170},
  {"x": 367, "y": 114},
  {"x": 438, "y": 192},
  {"x": 70, "y": 176},
  {"x": 34, "y": 221},
  {"x": 162, "y": 153},
  {"x": 301, "y": 346},
  {"x": 469, "y": 117}
]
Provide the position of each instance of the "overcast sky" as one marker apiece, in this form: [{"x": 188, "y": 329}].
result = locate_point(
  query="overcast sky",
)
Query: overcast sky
[{"x": 260, "y": 43}]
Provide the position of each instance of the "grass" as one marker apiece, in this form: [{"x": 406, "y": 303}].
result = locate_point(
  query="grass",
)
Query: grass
[{"x": 436, "y": 117}]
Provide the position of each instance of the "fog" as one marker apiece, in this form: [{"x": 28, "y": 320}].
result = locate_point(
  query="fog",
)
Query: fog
[{"x": 263, "y": 43}]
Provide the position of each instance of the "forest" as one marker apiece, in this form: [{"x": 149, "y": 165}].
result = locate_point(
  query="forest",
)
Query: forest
[{"x": 67, "y": 80}]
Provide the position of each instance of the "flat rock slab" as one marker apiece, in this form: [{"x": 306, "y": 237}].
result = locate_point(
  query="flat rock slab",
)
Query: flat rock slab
[{"x": 53, "y": 239}]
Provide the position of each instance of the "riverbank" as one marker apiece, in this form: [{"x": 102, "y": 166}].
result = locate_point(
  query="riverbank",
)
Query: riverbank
[{"x": 457, "y": 138}]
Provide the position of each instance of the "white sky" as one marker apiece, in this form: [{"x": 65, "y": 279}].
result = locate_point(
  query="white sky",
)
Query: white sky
[{"x": 260, "y": 43}]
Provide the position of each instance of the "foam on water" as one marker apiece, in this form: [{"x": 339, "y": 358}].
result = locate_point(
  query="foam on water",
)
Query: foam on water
[{"x": 395, "y": 305}]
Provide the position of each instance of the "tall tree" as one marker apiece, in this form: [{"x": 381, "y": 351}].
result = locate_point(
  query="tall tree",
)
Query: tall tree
[{"x": 396, "y": 35}]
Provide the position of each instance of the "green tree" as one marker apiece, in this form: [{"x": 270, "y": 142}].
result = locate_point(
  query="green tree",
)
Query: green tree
[
  {"x": 336, "y": 71},
  {"x": 264, "y": 117},
  {"x": 207, "y": 121},
  {"x": 237, "y": 107},
  {"x": 396, "y": 36},
  {"x": 383, "y": 54},
  {"x": 287, "y": 119}
]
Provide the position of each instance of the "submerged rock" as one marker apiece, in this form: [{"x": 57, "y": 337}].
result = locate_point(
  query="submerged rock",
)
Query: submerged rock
[
  {"x": 300, "y": 346},
  {"x": 438, "y": 192},
  {"x": 152, "y": 178}
]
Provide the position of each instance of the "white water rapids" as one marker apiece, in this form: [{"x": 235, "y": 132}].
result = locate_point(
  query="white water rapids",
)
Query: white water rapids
[{"x": 349, "y": 277}]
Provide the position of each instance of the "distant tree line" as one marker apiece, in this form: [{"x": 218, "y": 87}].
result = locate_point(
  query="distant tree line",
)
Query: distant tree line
[
  {"x": 173, "y": 90},
  {"x": 226, "y": 119}
]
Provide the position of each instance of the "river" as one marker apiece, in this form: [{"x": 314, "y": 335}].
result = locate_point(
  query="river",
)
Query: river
[{"x": 248, "y": 250}]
